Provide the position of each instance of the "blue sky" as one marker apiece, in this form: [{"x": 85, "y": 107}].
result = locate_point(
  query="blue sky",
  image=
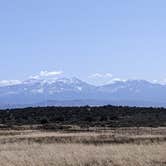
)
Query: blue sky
[{"x": 83, "y": 37}]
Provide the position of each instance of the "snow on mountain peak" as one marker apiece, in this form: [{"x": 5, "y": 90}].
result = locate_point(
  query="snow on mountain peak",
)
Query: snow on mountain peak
[
  {"x": 61, "y": 88},
  {"x": 9, "y": 82}
]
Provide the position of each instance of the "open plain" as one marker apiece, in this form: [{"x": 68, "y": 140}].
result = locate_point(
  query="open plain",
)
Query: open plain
[{"x": 95, "y": 147}]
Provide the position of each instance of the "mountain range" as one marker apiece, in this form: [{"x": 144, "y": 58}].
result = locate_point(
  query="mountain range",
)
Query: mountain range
[{"x": 75, "y": 92}]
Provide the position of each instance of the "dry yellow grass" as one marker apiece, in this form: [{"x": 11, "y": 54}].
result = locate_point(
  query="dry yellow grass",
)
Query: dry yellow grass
[
  {"x": 80, "y": 149},
  {"x": 83, "y": 138},
  {"x": 82, "y": 155}
]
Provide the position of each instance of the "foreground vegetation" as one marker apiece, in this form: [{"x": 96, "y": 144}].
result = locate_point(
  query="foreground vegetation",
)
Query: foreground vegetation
[
  {"x": 88, "y": 148},
  {"x": 83, "y": 136},
  {"x": 82, "y": 155}
]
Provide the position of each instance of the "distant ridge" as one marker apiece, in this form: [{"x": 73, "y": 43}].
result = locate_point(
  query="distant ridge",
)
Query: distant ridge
[{"x": 75, "y": 92}]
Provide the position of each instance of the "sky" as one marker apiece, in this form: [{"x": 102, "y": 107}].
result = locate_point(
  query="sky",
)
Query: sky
[{"x": 93, "y": 40}]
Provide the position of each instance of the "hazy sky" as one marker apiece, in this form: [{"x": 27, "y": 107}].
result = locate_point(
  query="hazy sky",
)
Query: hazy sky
[{"x": 126, "y": 38}]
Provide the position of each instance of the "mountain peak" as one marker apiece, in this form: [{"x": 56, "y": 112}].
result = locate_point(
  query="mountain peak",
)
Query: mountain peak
[{"x": 36, "y": 90}]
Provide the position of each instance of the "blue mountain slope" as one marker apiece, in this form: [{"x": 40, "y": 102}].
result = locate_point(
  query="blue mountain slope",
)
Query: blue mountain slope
[{"x": 73, "y": 91}]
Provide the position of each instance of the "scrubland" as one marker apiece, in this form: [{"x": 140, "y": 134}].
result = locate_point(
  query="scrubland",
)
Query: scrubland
[
  {"x": 83, "y": 136},
  {"x": 88, "y": 148}
]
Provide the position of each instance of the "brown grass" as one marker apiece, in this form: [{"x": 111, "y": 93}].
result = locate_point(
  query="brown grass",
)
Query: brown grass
[
  {"x": 39, "y": 148},
  {"x": 82, "y": 155}
]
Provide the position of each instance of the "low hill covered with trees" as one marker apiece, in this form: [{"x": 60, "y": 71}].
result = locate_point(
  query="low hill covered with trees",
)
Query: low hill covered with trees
[{"x": 105, "y": 116}]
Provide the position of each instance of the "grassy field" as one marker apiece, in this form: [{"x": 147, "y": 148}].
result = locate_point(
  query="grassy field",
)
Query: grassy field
[{"x": 96, "y": 147}]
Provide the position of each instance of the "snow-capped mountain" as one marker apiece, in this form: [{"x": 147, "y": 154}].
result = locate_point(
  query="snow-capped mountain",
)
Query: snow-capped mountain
[
  {"x": 72, "y": 91},
  {"x": 37, "y": 90},
  {"x": 135, "y": 90}
]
